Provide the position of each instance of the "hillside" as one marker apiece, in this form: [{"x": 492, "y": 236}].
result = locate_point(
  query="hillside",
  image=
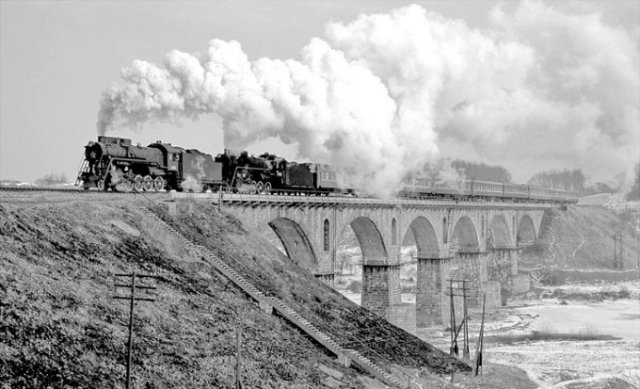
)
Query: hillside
[
  {"x": 60, "y": 326},
  {"x": 581, "y": 238}
]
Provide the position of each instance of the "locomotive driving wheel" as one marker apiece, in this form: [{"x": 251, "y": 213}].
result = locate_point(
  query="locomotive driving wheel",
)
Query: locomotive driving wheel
[
  {"x": 158, "y": 183},
  {"x": 100, "y": 185},
  {"x": 259, "y": 187},
  {"x": 147, "y": 183},
  {"x": 267, "y": 188},
  {"x": 138, "y": 182}
]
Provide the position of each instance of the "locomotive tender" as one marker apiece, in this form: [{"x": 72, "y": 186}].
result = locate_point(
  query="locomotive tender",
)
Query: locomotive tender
[{"x": 114, "y": 163}]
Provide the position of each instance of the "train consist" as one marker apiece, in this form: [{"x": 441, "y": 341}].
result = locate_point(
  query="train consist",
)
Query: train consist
[{"x": 115, "y": 164}]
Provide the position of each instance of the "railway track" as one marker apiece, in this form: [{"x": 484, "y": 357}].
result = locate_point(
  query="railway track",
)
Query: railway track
[
  {"x": 73, "y": 190},
  {"x": 38, "y": 189},
  {"x": 80, "y": 191}
]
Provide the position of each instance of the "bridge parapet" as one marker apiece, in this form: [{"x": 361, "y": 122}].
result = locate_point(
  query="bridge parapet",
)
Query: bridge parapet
[{"x": 359, "y": 201}]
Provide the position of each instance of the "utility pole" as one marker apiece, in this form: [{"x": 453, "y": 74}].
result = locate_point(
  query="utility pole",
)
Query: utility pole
[
  {"x": 615, "y": 249},
  {"x": 465, "y": 350},
  {"x": 618, "y": 262},
  {"x": 620, "y": 256},
  {"x": 480, "y": 344},
  {"x": 453, "y": 349},
  {"x": 638, "y": 243},
  {"x": 132, "y": 299},
  {"x": 464, "y": 324},
  {"x": 238, "y": 358}
]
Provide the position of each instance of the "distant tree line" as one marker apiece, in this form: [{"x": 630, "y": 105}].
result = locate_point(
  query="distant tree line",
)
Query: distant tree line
[
  {"x": 634, "y": 193},
  {"x": 569, "y": 180},
  {"x": 481, "y": 171},
  {"x": 52, "y": 179},
  {"x": 572, "y": 180}
]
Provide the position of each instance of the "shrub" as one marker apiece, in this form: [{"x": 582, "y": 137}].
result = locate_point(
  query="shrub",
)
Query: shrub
[{"x": 356, "y": 286}]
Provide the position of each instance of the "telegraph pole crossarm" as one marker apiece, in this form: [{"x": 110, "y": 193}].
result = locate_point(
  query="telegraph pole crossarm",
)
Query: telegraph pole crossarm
[{"x": 132, "y": 299}]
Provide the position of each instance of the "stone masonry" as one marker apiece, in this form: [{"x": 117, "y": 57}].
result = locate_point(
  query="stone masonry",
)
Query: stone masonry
[{"x": 478, "y": 236}]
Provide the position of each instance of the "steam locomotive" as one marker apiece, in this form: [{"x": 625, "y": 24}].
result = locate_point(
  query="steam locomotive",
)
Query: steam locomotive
[{"x": 114, "y": 163}]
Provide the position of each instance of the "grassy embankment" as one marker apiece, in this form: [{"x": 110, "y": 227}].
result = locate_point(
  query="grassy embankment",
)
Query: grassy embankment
[{"x": 60, "y": 326}]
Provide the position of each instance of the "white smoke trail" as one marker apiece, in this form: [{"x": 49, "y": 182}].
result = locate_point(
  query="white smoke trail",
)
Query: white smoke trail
[
  {"x": 196, "y": 172},
  {"x": 384, "y": 94}
]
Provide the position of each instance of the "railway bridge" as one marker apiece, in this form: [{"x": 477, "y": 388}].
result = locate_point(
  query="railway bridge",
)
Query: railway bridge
[{"x": 463, "y": 238}]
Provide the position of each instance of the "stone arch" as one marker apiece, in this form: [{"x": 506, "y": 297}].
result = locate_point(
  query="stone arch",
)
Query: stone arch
[
  {"x": 370, "y": 240},
  {"x": 465, "y": 234},
  {"x": 526, "y": 231},
  {"x": 295, "y": 242},
  {"x": 499, "y": 231},
  {"x": 425, "y": 237}
]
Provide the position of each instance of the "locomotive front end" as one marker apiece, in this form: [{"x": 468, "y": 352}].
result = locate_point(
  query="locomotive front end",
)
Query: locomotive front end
[{"x": 93, "y": 169}]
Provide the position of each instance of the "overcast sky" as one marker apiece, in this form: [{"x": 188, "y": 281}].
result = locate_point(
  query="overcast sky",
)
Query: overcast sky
[{"x": 58, "y": 57}]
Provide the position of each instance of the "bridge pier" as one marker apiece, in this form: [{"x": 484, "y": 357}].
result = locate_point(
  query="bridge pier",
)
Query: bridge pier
[
  {"x": 503, "y": 267},
  {"x": 432, "y": 303},
  {"x": 380, "y": 287},
  {"x": 472, "y": 265}
]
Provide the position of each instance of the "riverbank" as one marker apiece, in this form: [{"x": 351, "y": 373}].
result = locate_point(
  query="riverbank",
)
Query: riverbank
[{"x": 568, "y": 342}]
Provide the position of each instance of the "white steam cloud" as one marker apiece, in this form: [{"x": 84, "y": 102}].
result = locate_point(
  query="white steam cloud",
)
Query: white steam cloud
[{"x": 379, "y": 97}]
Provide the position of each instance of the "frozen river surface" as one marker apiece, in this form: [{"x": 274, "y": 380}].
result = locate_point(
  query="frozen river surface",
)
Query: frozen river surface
[
  {"x": 577, "y": 364},
  {"x": 561, "y": 364}
]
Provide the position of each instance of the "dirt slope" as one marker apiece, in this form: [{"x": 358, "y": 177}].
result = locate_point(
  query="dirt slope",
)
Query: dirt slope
[{"x": 60, "y": 327}]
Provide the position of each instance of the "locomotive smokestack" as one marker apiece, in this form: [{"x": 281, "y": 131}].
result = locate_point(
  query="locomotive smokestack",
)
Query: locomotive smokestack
[{"x": 379, "y": 97}]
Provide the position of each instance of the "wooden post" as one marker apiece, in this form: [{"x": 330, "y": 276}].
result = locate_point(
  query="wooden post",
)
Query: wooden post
[
  {"x": 129, "y": 343},
  {"x": 132, "y": 299},
  {"x": 238, "y": 357},
  {"x": 480, "y": 344},
  {"x": 452, "y": 319},
  {"x": 465, "y": 350},
  {"x": 620, "y": 257}
]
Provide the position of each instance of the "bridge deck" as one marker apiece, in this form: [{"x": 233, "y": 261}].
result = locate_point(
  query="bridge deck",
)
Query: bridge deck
[{"x": 230, "y": 198}]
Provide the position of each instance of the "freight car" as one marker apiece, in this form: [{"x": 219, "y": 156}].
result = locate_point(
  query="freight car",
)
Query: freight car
[{"x": 114, "y": 163}]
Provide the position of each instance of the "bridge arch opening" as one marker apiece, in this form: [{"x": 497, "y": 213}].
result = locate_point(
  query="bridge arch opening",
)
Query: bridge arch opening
[
  {"x": 499, "y": 234},
  {"x": 464, "y": 233},
  {"x": 360, "y": 243},
  {"x": 526, "y": 231},
  {"x": 419, "y": 241},
  {"x": 423, "y": 235},
  {"x": 370, "y": 240},
  {"x": 295, "y": 242}
]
